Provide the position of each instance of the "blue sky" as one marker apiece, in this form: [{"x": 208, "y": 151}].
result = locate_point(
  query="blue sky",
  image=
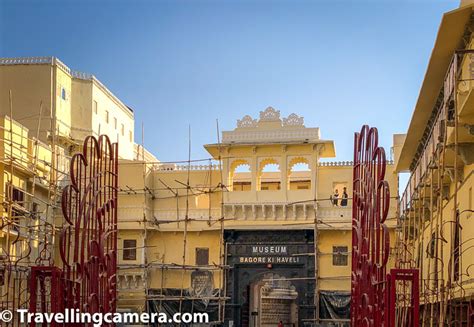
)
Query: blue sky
[{"x": 339, "y": 64}]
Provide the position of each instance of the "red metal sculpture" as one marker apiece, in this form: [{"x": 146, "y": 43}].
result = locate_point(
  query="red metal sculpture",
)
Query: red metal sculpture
[
  {"x": 370, "y": 236},
  {"x": 378, "y": 299},
  {"x": 88, "y": 240}
]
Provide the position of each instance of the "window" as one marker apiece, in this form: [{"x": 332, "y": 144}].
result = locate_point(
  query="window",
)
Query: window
[
  {"x": 202, "y": 256},
  {"x": 115, "y": 123},
  {"x": 339, "y": 255},
  {"x": 340, "y": 195},
  {"x": 18, "y": 208},
  {"x": 95, "y": 107},
  {"x": 129, "y": 249},
  {"x": 63, "y": 93},
  {"x": 107, "y": 116},
  {"x": 122, "y": 130},
  {"x": 130, "y": 135}
]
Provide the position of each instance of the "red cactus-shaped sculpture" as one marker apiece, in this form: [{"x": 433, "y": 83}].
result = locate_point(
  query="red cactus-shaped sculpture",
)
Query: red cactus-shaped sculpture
[
  {"x": 88, "y": 241},
  {"x": 86, "y": 277},
  {"x": 370, "y": 236}
]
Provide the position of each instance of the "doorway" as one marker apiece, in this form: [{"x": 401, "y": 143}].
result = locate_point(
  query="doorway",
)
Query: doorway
[{"x": 273, "y": 299}]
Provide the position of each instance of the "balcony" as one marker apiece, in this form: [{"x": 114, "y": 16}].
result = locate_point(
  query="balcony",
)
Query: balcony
[{"x": 445, "y": 131}]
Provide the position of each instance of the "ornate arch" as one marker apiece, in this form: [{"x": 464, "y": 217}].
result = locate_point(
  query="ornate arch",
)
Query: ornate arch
[
  {"x": 261, "y": 165},
  {"x": 292, "y": 162},
  {"x": 297, "y": 160},
  {"x": 237, "y": 163},
  {"x": 267, "y": 161},
  {"x": 232, "y": 167}
]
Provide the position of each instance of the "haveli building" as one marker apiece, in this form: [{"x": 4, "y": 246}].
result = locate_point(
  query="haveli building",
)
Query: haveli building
[
  {"x": 436, "y": 234},
  {"x": 238, "y": 238},
  {"x": 251, "y": 235},
  {"x": 229, "y": 236}
]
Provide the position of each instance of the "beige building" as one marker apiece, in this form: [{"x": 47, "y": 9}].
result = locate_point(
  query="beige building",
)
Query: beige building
[
  {"x": 252, "y": 235},
  {"x": 53, "y": 110},
  {"x": 63, "y": 105},
  {"x": 235, "y": 236},
  {"x": 436, "y": 233}
]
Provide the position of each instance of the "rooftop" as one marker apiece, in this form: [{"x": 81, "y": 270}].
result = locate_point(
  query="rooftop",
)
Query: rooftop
[
  {"x": 271, "y": 129},
  {"x": 55, "y": 61}
]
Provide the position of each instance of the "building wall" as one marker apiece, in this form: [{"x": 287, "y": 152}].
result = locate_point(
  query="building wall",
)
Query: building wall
[
  {"x": 30, "y": 85},
  {"x": 68, "y": 100},
  {"x": 25, "y": 207},
  {"x": 120, "y": 123},
  {"x": 281, "y": 207}
]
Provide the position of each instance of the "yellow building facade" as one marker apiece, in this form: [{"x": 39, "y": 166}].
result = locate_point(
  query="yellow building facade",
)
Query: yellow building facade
[
  {"x": 26, "y": 219},
  {"x": 436, "y": 208},
  {"x": 46, "y": 111},
  {"x": 257, "y": 233},
  {"x": 62, "y": 105},
  {"x": 236, "y": 235}
]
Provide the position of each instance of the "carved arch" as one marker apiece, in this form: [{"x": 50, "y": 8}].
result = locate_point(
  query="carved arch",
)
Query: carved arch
[
  {"x": 261, "y": 166},
  {"x": 296, "y": 182},
  {"x": 232, "y": 168}
]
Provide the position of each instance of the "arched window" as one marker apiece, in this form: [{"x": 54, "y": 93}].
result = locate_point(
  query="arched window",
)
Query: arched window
[
  {"x": 269, "y": 175},
  {"x": 299, "y": 174},
  {"x": 240, "y": 176}
]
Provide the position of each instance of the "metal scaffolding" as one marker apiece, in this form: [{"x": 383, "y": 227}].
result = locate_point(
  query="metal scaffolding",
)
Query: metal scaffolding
[{"x": 430, "y": 233}]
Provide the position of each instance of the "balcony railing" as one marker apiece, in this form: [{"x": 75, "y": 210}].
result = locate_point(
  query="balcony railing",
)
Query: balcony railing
[{"x": 435, "y": 134}]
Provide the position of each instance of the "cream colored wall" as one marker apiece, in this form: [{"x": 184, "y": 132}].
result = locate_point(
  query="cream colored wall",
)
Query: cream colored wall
[
  {"x": 63, "y": 106},
  {"x": 81, "y": 109},
  {"x": 34, "y": 83},
  {"x": 30, "y": 85},
  {"x": 168, "y": 247},
  {"x": 197, "y": 204},
  {"x": 333, "y": 277},
  {"x": 116, "y": 111}
]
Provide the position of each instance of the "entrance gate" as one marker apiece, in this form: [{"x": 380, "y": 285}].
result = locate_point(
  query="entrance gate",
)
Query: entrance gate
[{"x": 273, "y": 299}]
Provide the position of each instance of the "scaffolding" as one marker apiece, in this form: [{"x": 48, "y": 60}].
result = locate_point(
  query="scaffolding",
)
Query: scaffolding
[
  {"x": 31, "y": 174},
  {"x": 160, "y": 299},
  {"x": 430, "y": 227}
]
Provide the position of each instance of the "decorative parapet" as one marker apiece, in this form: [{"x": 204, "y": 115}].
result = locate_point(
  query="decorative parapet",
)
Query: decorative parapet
[
  {"x": 336, "y": 164},
  {"x": 270, "y": 114},
  {"x": 35, "y": 61},
  {"x": 270, "y": 128},
  {"x": 195, "y": 214},
  {"x": 246, "y": 121},
  {"x": 335, "y": 214},
  {"x": 270, "y": 135},
  {"x": 26, "y": 61},
  {"x": 293, "y": 120},
  {"x": 174, "y": 167},
  {"x": 343, "y": 163},
  {"x": 81, "y": 75},
  {"x": 131, "y": 281}
]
